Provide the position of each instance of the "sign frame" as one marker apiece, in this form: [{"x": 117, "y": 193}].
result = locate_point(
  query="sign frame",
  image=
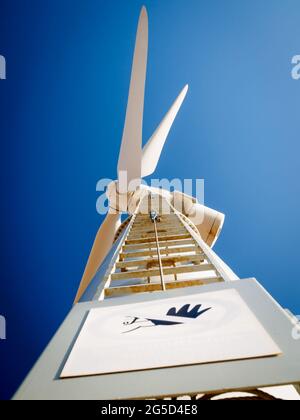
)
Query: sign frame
[{"x": 44, "y": 381}]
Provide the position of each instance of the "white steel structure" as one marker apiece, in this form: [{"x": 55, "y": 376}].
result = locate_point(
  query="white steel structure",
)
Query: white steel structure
[{"x": 162, "y": 256}]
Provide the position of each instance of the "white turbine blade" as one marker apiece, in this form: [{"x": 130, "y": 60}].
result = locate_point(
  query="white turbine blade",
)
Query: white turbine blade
[
  {"x": 102, "y": 244},
  {"x": 131, "y": 147},
  {"x": 154, "y": 146}
]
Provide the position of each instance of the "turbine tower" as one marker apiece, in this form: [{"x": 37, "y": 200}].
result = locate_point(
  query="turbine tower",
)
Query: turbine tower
[{"x": 158, "y": 313}]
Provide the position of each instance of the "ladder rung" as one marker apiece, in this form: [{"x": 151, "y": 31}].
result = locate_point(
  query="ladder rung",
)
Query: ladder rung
[
  {"x": 160, "y": 227},
  {"x": 152, "y": 287},
  {"x": 165, "y": 251},
  {"x": 189, "y": 241},
  {"x": 166, "y": 261},
  {"x": 155, "y": 272},
  {"x": 162, "y": 238},
  {"x": 143, "y": 217},
  {"x": 160, "y": 233},
  {"x": 147, "y": 223}
]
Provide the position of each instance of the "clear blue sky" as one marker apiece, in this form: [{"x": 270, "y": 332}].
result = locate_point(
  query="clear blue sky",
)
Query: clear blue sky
[{"x": 62, "y": 112}]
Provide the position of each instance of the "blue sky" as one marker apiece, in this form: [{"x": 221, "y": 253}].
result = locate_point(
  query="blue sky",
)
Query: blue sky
[{"x": 62, "y": 113}]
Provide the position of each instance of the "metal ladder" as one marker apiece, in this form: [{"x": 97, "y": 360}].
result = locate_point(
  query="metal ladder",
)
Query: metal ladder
[{"x": 158, "y": 255}]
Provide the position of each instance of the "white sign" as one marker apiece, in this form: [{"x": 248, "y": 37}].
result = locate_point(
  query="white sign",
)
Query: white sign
[{"x": 192, "y": 329}]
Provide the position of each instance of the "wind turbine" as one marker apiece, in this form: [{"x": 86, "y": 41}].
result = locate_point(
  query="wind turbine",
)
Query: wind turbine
[
  {"x": 136, "y": 163},
  {"x": 202, "y": 331}
]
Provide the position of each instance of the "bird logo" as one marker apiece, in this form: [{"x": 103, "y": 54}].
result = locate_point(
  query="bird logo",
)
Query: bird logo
[{"x": 183, "y": 314}]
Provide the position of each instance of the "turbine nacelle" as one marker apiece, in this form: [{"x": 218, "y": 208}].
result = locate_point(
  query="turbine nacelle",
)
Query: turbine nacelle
[
  {"x": 208, "y": 222},
  {"x": 127, "y": 202}
]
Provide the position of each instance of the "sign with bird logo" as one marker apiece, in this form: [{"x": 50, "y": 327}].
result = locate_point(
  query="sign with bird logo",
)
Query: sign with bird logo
[{"x": 194, "y": 329}]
